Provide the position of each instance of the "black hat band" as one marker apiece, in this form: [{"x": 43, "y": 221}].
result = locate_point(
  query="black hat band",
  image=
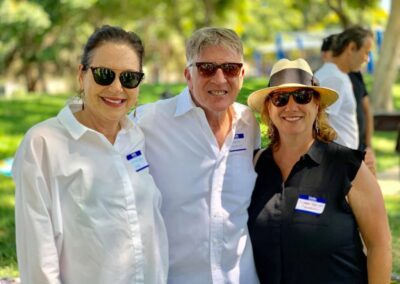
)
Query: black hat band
[{"x": 292, "y": 76}]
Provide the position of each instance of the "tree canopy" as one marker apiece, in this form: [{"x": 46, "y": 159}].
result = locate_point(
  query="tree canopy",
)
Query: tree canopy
[{"x": 41, "y": 38}]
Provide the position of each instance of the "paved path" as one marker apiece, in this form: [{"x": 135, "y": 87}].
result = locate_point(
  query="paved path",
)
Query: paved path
[{"x": 390, "y": 181}]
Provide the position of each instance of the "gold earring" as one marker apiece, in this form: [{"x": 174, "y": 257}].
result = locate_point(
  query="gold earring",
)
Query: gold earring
[{"x": 82, "y": 97}]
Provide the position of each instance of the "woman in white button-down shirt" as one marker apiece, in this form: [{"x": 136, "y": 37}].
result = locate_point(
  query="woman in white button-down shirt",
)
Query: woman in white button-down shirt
[{"x": 87, "y": 210}]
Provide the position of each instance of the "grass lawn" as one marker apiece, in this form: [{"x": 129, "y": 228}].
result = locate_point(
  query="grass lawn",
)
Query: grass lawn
[{"x": 19, "y": 114}]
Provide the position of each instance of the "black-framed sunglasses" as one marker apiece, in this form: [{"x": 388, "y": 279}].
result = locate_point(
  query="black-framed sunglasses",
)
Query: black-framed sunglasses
[
  {"x": 105, "y": 76},
  {"x": 300, "y": 96},
  {"x": 208, "y": 69}
]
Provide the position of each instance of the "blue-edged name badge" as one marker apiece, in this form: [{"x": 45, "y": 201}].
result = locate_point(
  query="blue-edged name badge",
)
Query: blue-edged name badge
[
  {"x": 311, "y": 205},
  {"x": 137, "y": 160},
  {"x": 238, "y": 143}
]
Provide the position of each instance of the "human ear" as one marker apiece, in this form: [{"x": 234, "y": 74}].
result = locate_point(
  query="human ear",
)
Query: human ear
[{"x": 80, "y": 76}]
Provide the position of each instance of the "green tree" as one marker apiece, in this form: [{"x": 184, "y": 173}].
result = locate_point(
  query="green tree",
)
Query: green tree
[
  {"x": 35, "y": 37},
  {"x": 42, "y": 37},
  {"x": 23, "y": 26}
]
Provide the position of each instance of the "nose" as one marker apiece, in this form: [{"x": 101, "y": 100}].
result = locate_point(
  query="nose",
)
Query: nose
[
  {"x": 219, "y": 76},
  {"x": 116, "y": 85},
  {"x": 291, "y": 103}
]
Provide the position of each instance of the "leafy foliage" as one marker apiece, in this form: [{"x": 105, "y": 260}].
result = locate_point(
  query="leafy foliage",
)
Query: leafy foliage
[{"x": 43, "y": 37}]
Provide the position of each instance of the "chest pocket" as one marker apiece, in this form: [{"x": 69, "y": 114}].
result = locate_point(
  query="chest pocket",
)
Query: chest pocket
[{"x": 240, "y": 176}]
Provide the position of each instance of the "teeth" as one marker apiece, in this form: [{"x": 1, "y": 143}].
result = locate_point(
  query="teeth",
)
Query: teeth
[
  {"x": 113, "y": 101},
  {"x": 294, "y": 118},
  {"x": 217, "y": 93}
]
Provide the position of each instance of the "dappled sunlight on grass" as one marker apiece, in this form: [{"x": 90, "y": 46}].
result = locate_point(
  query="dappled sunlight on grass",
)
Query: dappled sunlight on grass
[
  {"x": 8, "y": 145},
  {"x": 392, "y": 203},
  {"x": 8, "y": 270},
  {"x": 152, "y": 93},
  {"x": 396, "y": 96},
  {"x": 393, "y": 208},
  {"x": 250, "y": 85},
  {"x": 384, "y": 144},
  {"x": 8, "y": 259}
]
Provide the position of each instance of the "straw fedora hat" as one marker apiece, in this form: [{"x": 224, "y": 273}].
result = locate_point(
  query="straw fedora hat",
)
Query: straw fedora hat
[{"x": 288, "y": 74}]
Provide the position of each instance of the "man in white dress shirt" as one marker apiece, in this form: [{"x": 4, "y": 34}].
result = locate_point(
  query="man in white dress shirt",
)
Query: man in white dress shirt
[
  {"x": 349, "y": 51},
  {"x": 199, "y": 146}
]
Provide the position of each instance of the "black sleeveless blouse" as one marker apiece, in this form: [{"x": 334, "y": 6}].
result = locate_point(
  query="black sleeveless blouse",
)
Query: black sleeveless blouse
[{"x": 303, "y": 230}]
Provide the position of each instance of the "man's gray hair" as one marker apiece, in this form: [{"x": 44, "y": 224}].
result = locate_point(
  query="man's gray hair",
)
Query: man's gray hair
[{"x": 210, "y": 36}]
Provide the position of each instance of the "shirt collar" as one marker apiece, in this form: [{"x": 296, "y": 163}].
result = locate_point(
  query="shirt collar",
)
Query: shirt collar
[
  {"x": 75, "y": 128},
  {"x": 315, "y": 153},
  {"x": 185, "y": 103},
  {"x": 68, "y": 120}
]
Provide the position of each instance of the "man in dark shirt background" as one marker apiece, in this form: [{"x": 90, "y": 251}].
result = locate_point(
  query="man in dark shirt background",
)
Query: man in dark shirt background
[{"x": 364, "y": 111}]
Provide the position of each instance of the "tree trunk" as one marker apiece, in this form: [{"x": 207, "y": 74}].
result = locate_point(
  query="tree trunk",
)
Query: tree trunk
[
  {"x": 388, "y": 62},
  {"x": 209, "y": 12},
  {"x": 338, "y": 9},
  {"x": 31, "y": 78}
]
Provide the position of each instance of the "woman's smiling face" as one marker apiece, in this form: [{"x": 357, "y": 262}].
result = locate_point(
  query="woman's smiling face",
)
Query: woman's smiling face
[
  {"x": 294, "y": 118},
  {"x": 112, "y": 102}
]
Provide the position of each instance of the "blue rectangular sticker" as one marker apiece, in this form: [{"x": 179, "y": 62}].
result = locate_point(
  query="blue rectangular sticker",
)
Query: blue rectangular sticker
[
  {"x": 239, "y": 143},
  {"x": 137, "y": 160}
]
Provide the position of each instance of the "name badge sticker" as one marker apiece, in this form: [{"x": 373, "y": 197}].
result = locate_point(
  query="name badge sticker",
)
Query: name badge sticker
[
  {"x": 137, "y": 160},
  {"x": 311, "y": 205},
  {"x": 239, "y": 143}
]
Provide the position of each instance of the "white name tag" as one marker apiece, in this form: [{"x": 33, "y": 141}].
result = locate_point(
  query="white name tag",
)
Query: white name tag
[
  {"x": 310, "y": 204},
  {"x": 137, "y": 160},
  {"x": 238, "y": 143}
]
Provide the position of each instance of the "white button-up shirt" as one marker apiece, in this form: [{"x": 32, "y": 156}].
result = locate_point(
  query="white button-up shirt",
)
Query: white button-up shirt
[
  {"x": 206, "y": 190},
  {"x": 87, "y": 211}
]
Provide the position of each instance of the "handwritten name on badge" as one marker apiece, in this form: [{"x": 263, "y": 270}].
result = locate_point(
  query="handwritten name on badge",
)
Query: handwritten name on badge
[
  {"x": 137, "y": 160},
  {"x": 238, "y": 143},
  {"x": 310, "y": 204}
]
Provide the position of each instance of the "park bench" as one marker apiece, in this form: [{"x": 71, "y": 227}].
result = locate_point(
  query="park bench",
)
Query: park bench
[{"x": 386, "y": 121}]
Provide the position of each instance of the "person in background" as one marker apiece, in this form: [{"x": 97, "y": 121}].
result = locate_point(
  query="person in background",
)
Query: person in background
[
  {"x": 313, "y": 197},
  {"x": 365, "y": 120},
  {"x": 200, "y": 146},
  {"x": 326, "y": 52},
  {"x": 350, "y": 50},
  {"x": 86, "y": 208}
]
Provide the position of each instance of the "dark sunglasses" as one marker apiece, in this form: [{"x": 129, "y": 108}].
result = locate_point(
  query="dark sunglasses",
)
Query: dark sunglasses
[
  {"x": 300, "y": 96},
  {"x": 105, "y": 76},
  {"x": 208, "y": 69}
]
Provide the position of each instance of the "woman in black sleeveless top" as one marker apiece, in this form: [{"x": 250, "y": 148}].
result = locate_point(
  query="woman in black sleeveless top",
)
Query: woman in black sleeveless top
[{"x": 312, "y": 197}]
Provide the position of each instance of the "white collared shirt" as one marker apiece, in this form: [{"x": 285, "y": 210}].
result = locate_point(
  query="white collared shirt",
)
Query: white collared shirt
[
  {"x": 342, "y": 113},
  {"x": 84, "y": 212},
  {"x": 206, "y": 190}
]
